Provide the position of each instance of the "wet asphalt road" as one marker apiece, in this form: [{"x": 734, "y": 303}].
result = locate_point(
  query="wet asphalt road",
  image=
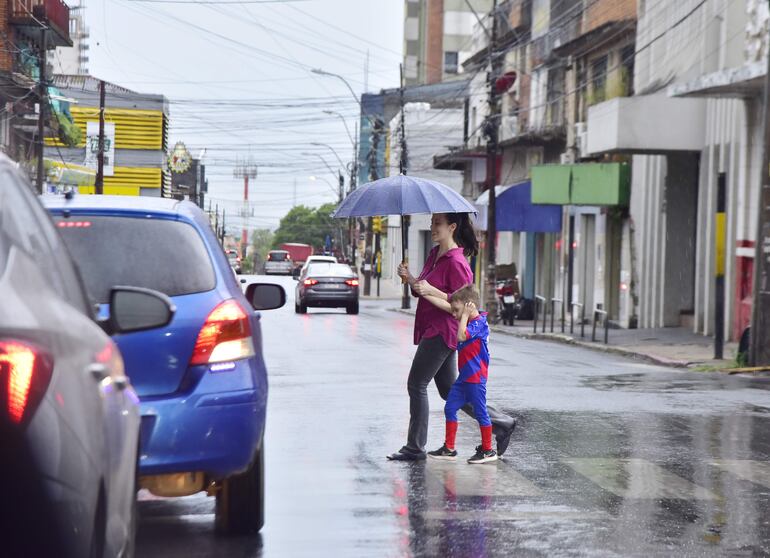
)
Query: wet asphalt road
[{"x": 612, "y": 457}]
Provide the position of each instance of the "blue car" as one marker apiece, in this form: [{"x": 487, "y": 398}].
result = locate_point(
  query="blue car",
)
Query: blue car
[{"x": 201, "y": 380}]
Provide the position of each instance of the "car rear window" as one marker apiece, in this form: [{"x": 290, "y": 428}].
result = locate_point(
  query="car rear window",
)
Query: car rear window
[
  {"x": 324, "y": 269},
  {"x": 168, "y": 256},
  {"x": 278, "y": 256}
]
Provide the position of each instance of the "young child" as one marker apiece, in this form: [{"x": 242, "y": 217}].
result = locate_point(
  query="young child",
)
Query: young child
[{"x": 471, "y": 384}]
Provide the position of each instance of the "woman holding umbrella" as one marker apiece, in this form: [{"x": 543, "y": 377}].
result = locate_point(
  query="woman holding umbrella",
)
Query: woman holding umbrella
[{"x": 445, "y": 271}]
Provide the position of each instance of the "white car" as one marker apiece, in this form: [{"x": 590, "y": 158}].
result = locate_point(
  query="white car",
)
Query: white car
[
  {"x": 317, "y": 259},
  {"x": 278, "y": 263}
]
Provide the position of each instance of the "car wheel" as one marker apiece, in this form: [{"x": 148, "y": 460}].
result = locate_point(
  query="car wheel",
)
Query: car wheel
[
  {"x": 352, "y": 308},
  {"x": 240, "y": 507}
]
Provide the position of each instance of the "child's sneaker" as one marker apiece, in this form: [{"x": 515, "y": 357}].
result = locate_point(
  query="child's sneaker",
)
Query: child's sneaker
[
  {"x": 482, "y": 456},
  {"x": 444, "y": 453}
]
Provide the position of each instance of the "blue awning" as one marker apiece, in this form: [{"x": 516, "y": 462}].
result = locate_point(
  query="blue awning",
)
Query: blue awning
[{"x": 516, "y": 212}]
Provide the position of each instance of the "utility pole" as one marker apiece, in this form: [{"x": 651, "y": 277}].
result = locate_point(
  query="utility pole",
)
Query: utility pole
[
  {"x": 216, "y": 221},
  {"x": 245, "y": 170},
  {"x": 374, "y": 174},
  {"x": 403, "y": 165},
  {"x": 491, "y": 130},
  {"x": 43, "y": 94},
  {"x": 353, "y": 183},
  {"x": 99, "y": 183},
  {"x": 759, "y": 351},
  {"x": 223, "y": 230}
]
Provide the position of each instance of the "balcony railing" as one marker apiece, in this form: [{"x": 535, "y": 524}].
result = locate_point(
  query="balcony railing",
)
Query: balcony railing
[{"x": 36, "y": 15}]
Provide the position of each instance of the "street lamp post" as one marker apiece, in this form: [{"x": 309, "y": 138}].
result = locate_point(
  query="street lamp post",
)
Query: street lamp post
[
  {"x": 326, "y": 145},
  {"x": 321, "y": 72},
  {"x": 354, "y": 170},
  {"x": 344, "y": 122}
]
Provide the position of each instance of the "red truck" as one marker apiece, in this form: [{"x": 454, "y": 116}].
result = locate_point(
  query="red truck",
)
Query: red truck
[{"x": 298, "y": 252}]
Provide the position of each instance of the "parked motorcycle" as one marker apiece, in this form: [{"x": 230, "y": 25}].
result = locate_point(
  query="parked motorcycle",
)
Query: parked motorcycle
[{"x": 507, "y": 293}]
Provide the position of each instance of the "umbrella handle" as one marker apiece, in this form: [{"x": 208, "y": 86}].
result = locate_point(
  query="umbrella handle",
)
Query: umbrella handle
[{"x": 405, "y": 262}]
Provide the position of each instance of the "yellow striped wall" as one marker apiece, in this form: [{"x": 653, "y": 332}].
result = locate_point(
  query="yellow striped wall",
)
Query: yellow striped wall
[
  {"x": 127, "y": 181},
  {"x": 134, "y": 128}
]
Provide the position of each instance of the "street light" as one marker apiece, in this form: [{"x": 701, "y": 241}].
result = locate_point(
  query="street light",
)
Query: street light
[
  {"x": 350, "y": 136},
  {"x": 332, "y": 150},
  {"x": 321, "y": 72},
  {"x": 327, "y": 165}
]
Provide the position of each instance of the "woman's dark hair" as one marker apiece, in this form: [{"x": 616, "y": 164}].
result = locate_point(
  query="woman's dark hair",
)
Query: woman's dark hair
[{"x": 465, "y": 234}]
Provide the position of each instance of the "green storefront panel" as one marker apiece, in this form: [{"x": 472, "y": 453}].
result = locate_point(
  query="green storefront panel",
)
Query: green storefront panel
[
  {"x": 600, "y": 184},
  {"x": 591, "y": 184},
  {"x": 550, "y": 184}
]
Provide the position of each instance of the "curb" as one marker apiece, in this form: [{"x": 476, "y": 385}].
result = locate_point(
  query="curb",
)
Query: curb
[
  {"x": 566, "y": 340},
  {"x": 601, "y": 348}
]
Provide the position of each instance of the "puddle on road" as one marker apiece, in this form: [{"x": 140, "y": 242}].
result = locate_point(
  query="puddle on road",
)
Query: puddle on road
[{"x": 659, "y": 383}]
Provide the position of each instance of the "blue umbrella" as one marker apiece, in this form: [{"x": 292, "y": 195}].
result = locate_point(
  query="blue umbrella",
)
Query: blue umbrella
[{"x": 402, "y": 195}]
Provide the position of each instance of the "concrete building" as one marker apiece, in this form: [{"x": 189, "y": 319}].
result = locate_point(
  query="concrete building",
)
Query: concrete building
[
  {"x": 73, "y": 60},
  {"x": 699, "y": 79},
  {"x": 438, "y": 38},
  {"x": 23, "y": 44}
]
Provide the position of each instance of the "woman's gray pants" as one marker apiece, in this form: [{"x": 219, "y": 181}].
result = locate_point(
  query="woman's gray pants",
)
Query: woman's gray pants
[{"x": 435, "y": 361}]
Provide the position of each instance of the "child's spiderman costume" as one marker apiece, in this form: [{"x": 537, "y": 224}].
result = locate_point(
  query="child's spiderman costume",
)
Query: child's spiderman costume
[{"x": 471, "y": 385}]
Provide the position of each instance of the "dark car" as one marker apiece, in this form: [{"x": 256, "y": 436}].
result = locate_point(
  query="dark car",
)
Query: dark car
[
  {"x": 327, "y": 285},
  {"x": 69, "y": 417},
  {"x": 201, "y": 379}
]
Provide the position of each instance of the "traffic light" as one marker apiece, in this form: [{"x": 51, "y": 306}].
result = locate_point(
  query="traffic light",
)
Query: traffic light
[{"x": 377, "y": 225}]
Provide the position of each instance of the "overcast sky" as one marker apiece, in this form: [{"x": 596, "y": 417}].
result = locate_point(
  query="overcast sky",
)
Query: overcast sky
[{"x": 239, "y": 82}]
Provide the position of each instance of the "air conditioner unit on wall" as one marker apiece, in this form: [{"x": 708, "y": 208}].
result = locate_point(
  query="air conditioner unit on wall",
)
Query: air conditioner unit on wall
[{"x": 581, "y": 138}]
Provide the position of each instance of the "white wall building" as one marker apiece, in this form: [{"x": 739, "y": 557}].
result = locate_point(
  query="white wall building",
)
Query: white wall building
[
  {"x": 73, "y": 60},
  {"x": 429, "y": 131}
]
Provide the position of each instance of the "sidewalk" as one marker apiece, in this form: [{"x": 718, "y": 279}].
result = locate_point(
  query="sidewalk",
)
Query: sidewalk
[
  {"x": 674, "y": 346},
  {"x": 388, "y": 291}
]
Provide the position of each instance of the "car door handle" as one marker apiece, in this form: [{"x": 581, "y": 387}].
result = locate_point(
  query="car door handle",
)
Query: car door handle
[
  {"x": 121, "y": 382},
  {"x": 97, "y": 371}
]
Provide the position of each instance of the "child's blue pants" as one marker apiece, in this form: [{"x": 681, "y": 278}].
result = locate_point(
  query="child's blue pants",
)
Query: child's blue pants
[{"x": 463, "y": 392}]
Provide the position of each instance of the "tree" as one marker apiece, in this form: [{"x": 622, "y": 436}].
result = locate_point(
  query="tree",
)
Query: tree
[
  {"x": 261, "y": 242},
  {"x": 307, "y": 226}
]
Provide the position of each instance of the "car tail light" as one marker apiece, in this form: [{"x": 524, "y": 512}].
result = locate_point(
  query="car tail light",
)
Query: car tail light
[
  {"x": 74, "y": 224},
  {"x": 352, "y": 282},
  {"x": 225, "y": 336},
  {"x": 310, "y": 282},
  {"x": 25, "y": 373}
]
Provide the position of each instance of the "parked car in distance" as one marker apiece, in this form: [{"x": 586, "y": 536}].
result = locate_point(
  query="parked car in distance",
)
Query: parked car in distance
[
  {"x": 235, "y": 260},
  {"x": 278, "y": 262},
  {"x": 201, "y": 379},
  {"x": 327, "y": 285},
  {"x": 69, "y": 417}
]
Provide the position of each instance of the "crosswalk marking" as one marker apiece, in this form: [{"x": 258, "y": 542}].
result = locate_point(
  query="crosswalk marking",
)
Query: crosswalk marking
[
  {"x": 494, "y": 479},
  {"x": 757, "y": 472},
  {"x": 637, "y": 478},
  {"x": 513, "y": 515}
]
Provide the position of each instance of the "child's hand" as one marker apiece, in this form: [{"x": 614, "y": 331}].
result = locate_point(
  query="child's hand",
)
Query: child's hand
[{"x": 469, "y": 308}]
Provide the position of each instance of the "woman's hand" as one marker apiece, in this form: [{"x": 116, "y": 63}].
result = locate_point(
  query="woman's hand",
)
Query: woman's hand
[
  {"x": 423, "y": 288},
  {"x": 403, "y": 271}
]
